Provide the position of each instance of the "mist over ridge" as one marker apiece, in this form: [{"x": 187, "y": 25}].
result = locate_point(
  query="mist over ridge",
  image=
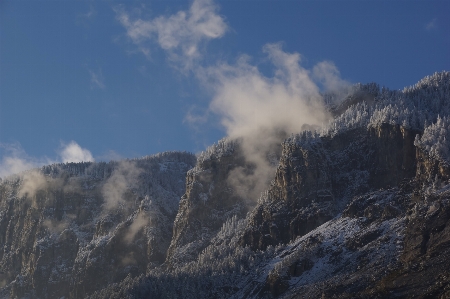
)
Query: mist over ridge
[
  {"x": 313, "y": 186},
  {"x": 247, "y": 203}
]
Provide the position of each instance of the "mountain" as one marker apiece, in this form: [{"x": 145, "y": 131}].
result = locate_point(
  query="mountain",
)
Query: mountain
[
  {"x": 357, "y": 209},
  {"x": 67, "y": 230}
]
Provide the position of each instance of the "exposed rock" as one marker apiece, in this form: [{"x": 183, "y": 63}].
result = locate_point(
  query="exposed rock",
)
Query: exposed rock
[
  {"x": 311, "y": 176},
  {"x": 275, "y": 285},
  {"x": 208, "y": 202},
  {"x": 361, "y": 210},
  {"x": 63, "y": 240}
]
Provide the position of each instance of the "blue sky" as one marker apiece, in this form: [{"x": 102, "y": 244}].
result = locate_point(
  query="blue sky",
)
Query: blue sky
[{"x": 107, "y": 79}]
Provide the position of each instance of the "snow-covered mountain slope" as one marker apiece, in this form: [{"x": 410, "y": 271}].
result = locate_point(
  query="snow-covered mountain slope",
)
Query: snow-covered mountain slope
[
  {"x": 340, "y": 217},
  {"x": 358, "y": 209},
  {"x": 69, "y": 229},
  {"x": 208, "y": 202},
  {"x": 414, "y": 107}
]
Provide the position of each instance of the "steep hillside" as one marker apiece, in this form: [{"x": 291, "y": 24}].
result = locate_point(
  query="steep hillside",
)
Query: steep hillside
[
  {"x": 69, "y": 229},
  {"x": 318, "y": 176},
  {"x": 357, "y": 209},
  {"x": 208, "y": 202}
]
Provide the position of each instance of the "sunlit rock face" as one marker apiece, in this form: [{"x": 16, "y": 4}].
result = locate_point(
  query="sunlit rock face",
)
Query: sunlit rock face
[{"x": 63, "y": 234}]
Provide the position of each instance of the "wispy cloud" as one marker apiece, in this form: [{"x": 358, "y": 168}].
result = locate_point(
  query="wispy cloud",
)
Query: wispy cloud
[
  {"x": 182, "y": 34},
  {"x": 72, "y": 152},
  {"x": 247, "y": 101},
  {"x": 139, "y": 222},
  {"x": 122, "y": 179},
  {"x": 91, "y": 13},
  {"x": 196, "y": 116},
  {"x": 55, "y": 226},
  {"x": 432, "y": 25},
  {"x": 97, "y": 80},
  {"x": 262, "y": 110},
  {"x": 16, "y": 160},
  {"x": 85, "y": 18},
  {"x": 33, "y": 181},
  {"x": 328, "y": 77}
]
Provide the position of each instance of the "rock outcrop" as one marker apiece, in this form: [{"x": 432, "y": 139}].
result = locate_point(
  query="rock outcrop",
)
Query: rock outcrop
[
  {"x": 316, "y": 177},
  {"x": 210, "y": 200},
  {"x": 64, "y": 235},
  {"x": 358, "y": 210}
]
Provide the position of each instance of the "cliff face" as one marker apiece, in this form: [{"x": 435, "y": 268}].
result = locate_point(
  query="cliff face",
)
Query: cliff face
[
  {"x": 208, "y": 202},
  {"x": 423, "y": 270},
  {"x": 389, "y": 243},
  {"x": 316, "y": 179},
  {"x": 339, "y": 203},
  {"x": 361, "y": 182},
  {"x": 221, "y": 186},
  {"x": 63, "y": 234},
  {"x": 430, "y": 170},
  {"x": 39, "y": 247},
  {"x": 361, "y": 210}
]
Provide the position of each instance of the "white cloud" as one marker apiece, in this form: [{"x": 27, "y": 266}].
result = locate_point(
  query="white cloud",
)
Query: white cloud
[
  {"x": 72, "y": 152},
  {"x": 124, "y": 177},
  {"x": 258, "y": 109},
  {"x": 139, "y": 222},
  {"x": 431, "y": 25},
  {"x": 181, "y": 34},
  {"x": 32, "y": 182},
  {"x": 11, "y": 165},
  {"x": 16, "y": 160},
  {"x": 262, "y": 110},
  {"x": 247, "y": 101},
  {"x": 328, "y": 76},
  {"x": 97, "y": 79},
  {"x": 196, "y": 116}
]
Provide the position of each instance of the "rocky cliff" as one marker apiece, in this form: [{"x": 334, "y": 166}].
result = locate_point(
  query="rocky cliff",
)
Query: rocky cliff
[
  {"x": 383, "y": 242},
  {"x": 67, "y": 230},
  {"x": 349, "y": 212},
  {"x": 358, "y": 209},
  {"x": 208, "y": 202},
  {"x": 316, "y": 177}
]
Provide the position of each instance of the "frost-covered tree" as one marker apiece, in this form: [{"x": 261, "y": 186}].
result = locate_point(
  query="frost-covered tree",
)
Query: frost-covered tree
[
  {"x": 413, "y": 107},
  {"x": 435, "y": 139}
]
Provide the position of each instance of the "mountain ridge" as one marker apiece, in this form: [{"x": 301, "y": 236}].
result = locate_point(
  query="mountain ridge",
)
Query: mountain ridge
[{"x": 358, "y": 209}]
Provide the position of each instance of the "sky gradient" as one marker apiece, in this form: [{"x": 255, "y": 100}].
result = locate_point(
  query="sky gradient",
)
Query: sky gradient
[{"x": 108, "y": 79}]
